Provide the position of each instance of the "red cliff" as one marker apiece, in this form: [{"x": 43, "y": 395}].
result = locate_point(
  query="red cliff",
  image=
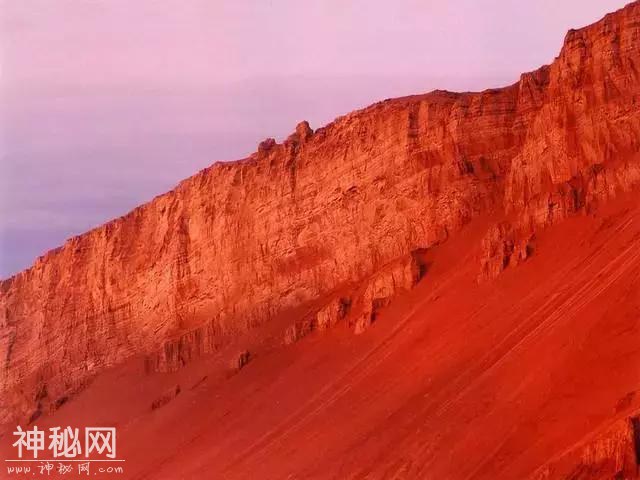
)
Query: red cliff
[{"x": 298, "y": 223}]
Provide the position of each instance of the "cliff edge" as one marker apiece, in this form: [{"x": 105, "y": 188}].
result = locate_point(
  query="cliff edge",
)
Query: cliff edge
[{"x": 241, "y": 243}]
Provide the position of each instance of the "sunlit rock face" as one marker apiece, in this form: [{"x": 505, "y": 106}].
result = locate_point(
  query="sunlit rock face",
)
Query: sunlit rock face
[{"x": 242, "y": 242}]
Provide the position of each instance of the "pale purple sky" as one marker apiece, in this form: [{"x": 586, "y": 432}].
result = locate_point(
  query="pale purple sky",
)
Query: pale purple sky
[{"x": 106, "y": 103}]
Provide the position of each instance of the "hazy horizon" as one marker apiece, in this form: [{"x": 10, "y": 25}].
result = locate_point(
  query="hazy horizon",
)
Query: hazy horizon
[{"x": 105, "y": 105}]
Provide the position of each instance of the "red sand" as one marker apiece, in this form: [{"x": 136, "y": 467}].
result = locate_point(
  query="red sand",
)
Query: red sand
[{"x": 454, "y": 380}]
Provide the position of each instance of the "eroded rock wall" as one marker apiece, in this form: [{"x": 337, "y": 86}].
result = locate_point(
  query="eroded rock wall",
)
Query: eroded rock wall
[{"x": 242, "y": 242}]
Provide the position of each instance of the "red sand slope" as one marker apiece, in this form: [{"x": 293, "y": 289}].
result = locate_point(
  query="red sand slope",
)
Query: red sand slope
[
  {"x": 242, "y": 243},
  {"x": 454, "y": 380}
]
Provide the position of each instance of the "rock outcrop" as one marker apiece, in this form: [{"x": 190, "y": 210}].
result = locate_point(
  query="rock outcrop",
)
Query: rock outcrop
[
  {"x": 613, "y": 453},
  {"x": 242, "y": 242},
  {"x": 360, "y": 306}
]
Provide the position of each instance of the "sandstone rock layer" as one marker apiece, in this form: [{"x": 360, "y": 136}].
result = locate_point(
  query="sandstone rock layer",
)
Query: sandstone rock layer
[{"x": 241, "y": 243}]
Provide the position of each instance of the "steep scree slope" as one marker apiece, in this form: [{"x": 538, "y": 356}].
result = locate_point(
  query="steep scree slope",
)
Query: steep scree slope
[{"x": 240, "y": 243}]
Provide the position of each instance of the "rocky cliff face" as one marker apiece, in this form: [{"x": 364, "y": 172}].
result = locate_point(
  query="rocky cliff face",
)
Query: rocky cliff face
[{"x": 240, "y": 243}]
